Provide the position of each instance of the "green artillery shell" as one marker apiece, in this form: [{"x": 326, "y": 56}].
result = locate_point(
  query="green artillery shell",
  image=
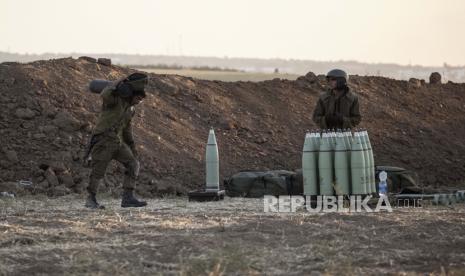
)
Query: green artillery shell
[
  {"x": 310, "y": 165},
  {"x": 366, "y": 157},
  {"x": 372, "y": 162},
  {"x": 325, "y": 165},
  {"x": 341, "y": 167},
  {"x": 212, "y": 163},
  {"x": 357, "y": 164}
]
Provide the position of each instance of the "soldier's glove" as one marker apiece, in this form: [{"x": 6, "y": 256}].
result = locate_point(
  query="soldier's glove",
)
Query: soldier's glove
[{"x": 123, "y": 90}]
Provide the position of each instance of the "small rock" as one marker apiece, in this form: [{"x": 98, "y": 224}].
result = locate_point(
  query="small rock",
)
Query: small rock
[
  {"x": 67, "y": 179},
  {"x": 311, "y": 77},
  {"x": 89, "y": 59},
  {"x": 171, "y": 117},
  {"x": 261, "y": 140},
  {"x": 37, "y": 172},
  {"x": 28, "y": 125},
  {"x": 25, "y": 113},
  {"x": 227, "y": 124},
  {"x": 435, "y": 78},
  {"x": 51, "y": 177},
  {"x": 39, "y": 136},
  {"x": 12, "y": 156},
  {"x": 321, "y": 78},
  {"x": 66, "y": 121},
  {"x": 301, "y": 79},
  {"x": 57, "y": 166},
  {"x": 48, "y": 109},
  {"x": 413, "y": 82},
  {"x": 65, "y": 156},
  {"x": 104, "y": 61},
  {"x": 60, "y": 191},
  {"x": 49, "y": 130},
  {"x": 44, "y": 185}
]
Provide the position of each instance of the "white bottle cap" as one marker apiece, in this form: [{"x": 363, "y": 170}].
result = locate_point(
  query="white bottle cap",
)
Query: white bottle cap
[{"x": 383, "y": 176}]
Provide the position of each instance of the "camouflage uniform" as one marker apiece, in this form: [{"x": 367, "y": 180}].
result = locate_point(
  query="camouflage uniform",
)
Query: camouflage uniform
[
  {"x": 114, "y": 140},
  {"x": 346, "y": 106}
]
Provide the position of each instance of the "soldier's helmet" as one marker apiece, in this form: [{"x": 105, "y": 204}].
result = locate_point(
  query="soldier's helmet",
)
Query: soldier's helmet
[
  {"x": 337, "y": 73},
  {"x": 137, "y": 82}
]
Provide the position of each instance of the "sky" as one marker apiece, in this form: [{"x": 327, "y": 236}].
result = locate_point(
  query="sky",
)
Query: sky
[{"x": 417, "y": 32}]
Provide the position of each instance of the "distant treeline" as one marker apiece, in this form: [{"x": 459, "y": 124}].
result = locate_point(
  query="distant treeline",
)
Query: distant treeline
[{"x": 180, "y": 67}]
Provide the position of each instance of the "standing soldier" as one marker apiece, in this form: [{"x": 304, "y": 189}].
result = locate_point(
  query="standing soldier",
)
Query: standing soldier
[
  {"x": 112, "y": 138},
  {"x": 338, "y": 107}
]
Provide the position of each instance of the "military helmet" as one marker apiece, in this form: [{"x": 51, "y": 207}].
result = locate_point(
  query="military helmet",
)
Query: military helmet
[
  {"x": 136, "y": 82},
  {"x": 337, "y": 73}
]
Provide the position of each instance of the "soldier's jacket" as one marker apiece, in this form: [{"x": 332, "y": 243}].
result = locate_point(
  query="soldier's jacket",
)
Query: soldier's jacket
[
  {"x": 347, "y": 105},
  {"x": 114, "y": 121}
]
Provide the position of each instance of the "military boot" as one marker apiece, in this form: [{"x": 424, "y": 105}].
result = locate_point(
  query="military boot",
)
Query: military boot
[
  {"x": 128, "y": 199},
  {"x": 92, "y": 203}
]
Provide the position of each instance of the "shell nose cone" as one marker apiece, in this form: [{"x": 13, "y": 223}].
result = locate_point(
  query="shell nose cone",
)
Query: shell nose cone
[
  {"x": 308, "y": 142},
  {"x": 211, "y": 137}
]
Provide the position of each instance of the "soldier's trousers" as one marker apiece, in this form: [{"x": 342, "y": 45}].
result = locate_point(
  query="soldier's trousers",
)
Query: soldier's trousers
[{"x": 105, "y": 150}]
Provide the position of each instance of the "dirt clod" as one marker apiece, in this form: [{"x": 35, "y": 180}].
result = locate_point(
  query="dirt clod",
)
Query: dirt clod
[
  {"x": 104, "y": 61},
  {"x": 435, "y": 78},
  {"x": 25, "y": 113}
]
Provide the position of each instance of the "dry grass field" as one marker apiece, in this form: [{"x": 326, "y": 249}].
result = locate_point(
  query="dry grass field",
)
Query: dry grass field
[
  {"x": 40, "y": 235},
  {"x": 222, "y": 75}
]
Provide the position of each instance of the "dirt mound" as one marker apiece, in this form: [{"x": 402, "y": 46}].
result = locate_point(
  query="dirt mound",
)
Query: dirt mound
[{"x": 47, "y": 115}]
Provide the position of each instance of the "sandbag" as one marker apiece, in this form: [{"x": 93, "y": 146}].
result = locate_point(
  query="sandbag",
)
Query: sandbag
[
  {"x": 256, "y": 184},
  {"x": 259, "y": 183}
]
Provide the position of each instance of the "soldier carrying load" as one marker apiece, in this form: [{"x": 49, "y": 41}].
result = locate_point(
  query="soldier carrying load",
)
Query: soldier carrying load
[{"x": 112, "y": 138}]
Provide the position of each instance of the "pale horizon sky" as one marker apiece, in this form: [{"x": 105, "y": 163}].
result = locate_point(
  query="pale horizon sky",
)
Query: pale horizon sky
[{"x": 423, "y": 32}]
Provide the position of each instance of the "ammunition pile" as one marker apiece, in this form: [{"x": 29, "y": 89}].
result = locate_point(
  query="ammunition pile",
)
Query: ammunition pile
[{"x": 338, "y": 163}]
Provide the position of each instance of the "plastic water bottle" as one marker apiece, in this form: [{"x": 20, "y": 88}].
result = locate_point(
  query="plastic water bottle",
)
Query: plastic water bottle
[{"x": 382, "y": 186}]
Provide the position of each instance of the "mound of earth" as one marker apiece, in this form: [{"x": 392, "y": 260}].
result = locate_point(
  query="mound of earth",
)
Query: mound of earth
[{"x": 47, "y": 115}]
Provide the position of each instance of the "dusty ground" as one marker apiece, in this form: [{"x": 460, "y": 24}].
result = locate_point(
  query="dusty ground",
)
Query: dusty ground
[{"x": 39, "y": 235}]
